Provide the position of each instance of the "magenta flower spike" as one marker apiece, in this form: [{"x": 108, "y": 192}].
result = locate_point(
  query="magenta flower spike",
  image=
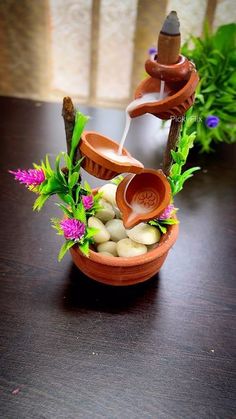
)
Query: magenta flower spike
[
  {"x": 167, "y": 212},
  {"x": 73, "y": 229},
  {"x": 30, "y": 177},
  {"x": 87, "y": 201}
]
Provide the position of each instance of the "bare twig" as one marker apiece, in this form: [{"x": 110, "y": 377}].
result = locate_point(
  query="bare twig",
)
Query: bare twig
[
  {"x": 68, "y": 113},
  {"x": 171, "y": 145}
]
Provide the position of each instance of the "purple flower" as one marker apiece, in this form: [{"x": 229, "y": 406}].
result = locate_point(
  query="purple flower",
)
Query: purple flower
[
  {"x": 73, "y": 229},
  {"x": 167, "y": 212},
  {"x": 30, "y": 177},
  {"x": 212, "y": 121},
  {"x": 87, "y": 201},
  {"x": 152, "y": 51}
]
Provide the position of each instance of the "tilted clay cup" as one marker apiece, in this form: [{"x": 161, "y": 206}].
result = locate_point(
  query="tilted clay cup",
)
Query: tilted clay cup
[
  {"x": 179, "y": 99},
  {"x": 143, "y": 197},
  {"x": 98, "y": 164}
]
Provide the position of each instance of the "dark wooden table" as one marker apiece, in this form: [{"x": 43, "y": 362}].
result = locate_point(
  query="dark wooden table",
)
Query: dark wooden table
[{"x": 71, "y": 348}]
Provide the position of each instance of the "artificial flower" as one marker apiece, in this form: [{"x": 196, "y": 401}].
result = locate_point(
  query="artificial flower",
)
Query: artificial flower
[
  {"x": 73, "y": 229},
  {"x": 30, "y": 177},
  {"x": 87, "y": 201},
  {"x": 167, "y": 212}
]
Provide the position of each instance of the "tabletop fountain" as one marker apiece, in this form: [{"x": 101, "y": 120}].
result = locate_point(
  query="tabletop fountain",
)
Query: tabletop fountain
[{"x": 121, "y": 233}]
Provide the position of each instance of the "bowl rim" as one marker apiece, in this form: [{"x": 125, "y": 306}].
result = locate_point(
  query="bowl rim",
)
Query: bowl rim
[{"x": 167, "y": 241}]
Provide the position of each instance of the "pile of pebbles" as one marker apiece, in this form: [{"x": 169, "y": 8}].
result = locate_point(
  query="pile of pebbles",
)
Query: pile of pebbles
[{"x": 113, "y": 239}]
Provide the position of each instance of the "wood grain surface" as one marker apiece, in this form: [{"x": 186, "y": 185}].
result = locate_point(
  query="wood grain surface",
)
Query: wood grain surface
[{"x": 71, "y": 348}]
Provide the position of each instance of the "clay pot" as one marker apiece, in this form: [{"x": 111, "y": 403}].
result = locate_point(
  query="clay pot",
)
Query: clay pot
[
  {"x": 178, "y": 101},
  {"x": 100, "y": 166},
  {"x": 143, "y": 197},
  {"x": 121, "y": 271}
]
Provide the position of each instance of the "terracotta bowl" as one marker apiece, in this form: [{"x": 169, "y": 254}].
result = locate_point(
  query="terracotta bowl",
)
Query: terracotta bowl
[
  {"x": 121, "y": 271},
  {"x": 100, "y": 165},
  {"x": 178, "y": 101},
  {"x": 143, "y": 197}
]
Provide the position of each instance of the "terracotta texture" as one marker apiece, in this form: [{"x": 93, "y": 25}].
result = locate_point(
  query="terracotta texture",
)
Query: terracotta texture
[
  {"x": 143, "y": 197},
  {"x": 178, "y": 101},
  {"x": 100, "y": 166},
  {"x": 119, "y": 271},
  {"x": 171, "y": 73}
]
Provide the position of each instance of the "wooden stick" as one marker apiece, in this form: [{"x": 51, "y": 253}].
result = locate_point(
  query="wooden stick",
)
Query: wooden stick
[
  {"x": 171, "y": 144},
  {"x": 68, "y": 113}
]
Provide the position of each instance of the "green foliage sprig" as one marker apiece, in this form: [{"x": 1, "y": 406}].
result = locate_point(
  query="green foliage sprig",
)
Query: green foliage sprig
[
  {"x": 77, "y": 201},
  {"x": 177, "y": 176},
  {"x": 215, "y": 58}
]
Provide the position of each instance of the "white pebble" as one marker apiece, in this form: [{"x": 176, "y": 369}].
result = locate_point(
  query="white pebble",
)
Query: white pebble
[
  {"x": 117, "y": 212},
  {"x": 109, "y": 247},
  {"x": 109, "y": 193},
  {"x": 128, "y": 248},
  {"x": 144, "y": 233},
  {"x": 103, "y": 235},
  {"x": 106, "y": 213},
  {"x": 116, "y": 229},
  {"x": 106, "y": 254}
]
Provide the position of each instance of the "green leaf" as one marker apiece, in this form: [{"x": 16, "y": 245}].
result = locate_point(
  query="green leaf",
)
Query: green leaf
[
  {"x": 52, "y": 186},
  {"x": 68, "y": 161},
  {"x": 169, "y": 221},
  {"x": 36, "y": 166},
  {"x": 80, "y": 213},
  {"x": 157, "y": 224},
  {"x": 80, "y": 122},
  {"x": 210, "y": 89},
  {"x": 188, "y": 173},
  {"x": 66, "y": 211},
  {"x": 65, "y": 247},
  {"x": 77, "y": 193},
  {"x": 84, "y": 248},
  {"x": 213, "y": 61},
  {"x": 224, "y": 39},
  {"x": 177, "y": 156},
  {"x": 91, "y": 231},
  {"x": 87, "y": 187},
  {"x": 175, "y": 169},
  {"x": 48, "y": 166},
  {"x": 56, "y": 225},
  {"x": 39, "y": 202},
  {"x": 73, "y": 179},
  {"x": 66, "y": 198},
  {"x": 97, "y": 197},
  {"x": 59, "y": 174},
  {"x": 77, "y": 165},
  {"x": 117, "y": 180},
  {"x": 162, "y": 228}
]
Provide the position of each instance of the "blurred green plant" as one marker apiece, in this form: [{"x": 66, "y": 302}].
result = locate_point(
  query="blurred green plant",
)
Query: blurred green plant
[{"x": 214, "y": 111}]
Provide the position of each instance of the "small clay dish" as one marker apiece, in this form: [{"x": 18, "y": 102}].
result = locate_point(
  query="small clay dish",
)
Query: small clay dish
[
  {"x": 143, "y": 197},
  {"x": 179, "y": 99},
  {"x": 101, "y": 157}
]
